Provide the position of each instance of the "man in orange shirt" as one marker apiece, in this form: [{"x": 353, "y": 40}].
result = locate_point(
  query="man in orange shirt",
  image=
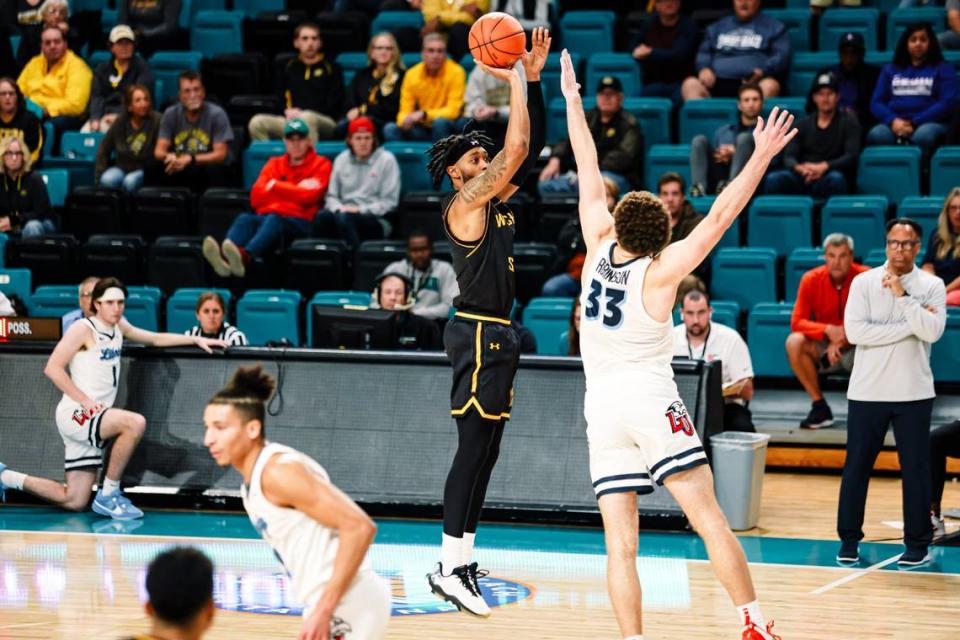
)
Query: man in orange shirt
[
  {"x": 818, "y": 343},
  {"x": 286, "y": 198}
]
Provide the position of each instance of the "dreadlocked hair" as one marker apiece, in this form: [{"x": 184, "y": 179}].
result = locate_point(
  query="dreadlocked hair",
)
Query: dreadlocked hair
[
  {"x": 447, "y": 151},
  {"x": 642, "y": 224},
  {"x": 247, "y": 392}
]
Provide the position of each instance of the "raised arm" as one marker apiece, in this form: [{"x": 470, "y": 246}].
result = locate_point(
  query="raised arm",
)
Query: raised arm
[
  {"x": 680, "y": 258},
  {"x": 596, "y": 223}
]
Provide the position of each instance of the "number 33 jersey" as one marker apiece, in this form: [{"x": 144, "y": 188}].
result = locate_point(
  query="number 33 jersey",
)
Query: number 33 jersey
[{"x": 617, "y": 337}]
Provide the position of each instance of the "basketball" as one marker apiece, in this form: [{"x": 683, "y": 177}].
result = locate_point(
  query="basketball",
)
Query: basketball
[{"x": 497, "y": 40}]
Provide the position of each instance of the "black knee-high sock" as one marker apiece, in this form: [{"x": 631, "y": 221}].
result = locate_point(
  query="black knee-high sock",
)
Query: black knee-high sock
[
  {"x": 475, "y": 438},
  {"x": 480, "y": 490}
]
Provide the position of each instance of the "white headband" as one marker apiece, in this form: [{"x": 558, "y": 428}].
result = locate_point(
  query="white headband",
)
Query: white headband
[{"x": 112, "y": 293}]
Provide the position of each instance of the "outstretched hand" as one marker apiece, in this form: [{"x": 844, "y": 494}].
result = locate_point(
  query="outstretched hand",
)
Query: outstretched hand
[
  {"x": 535, "y": 59},
  {"x": 772, "y": 136},
  {"x": 568, "y": 77},
  {"x": 507, "y": 75}
]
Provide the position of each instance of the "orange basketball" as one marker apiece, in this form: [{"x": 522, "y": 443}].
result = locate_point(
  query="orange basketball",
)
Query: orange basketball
[{"x": 497, "y": 40}]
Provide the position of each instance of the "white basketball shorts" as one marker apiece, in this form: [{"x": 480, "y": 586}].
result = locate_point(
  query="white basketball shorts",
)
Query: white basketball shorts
[
  {"x": 83, "y": 447},
  {"x": 363, "y": 612}
]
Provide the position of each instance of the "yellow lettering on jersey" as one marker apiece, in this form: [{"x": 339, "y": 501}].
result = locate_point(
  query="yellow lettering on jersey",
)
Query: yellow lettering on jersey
[
  {"x": 505, "y": 219},
  {"x": 510, "y": 263},
  {"x": 495, "y": 346}
]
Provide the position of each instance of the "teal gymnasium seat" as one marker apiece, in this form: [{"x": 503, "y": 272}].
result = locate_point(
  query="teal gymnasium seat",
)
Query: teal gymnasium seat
[
  {"x": 255, "y": 157},
  {"x": 800, "y": 260},
  {"x": 58, "y": 185},
  {"x": 182, "y": 307},
  {"x": 18, "y": 282},
  {"x": 167, "y": 67},
  {"x": 3, "y": 249},
  {"x": 726, "y": 312},
  {"x": 945, "y": 353},
  {"x": 797, "y": 22},
  {"x": 333, "y": 299},
  {"x": 704, "y": 117},
  {"x": 351, "y": 62},
  {"x": 550, "y": 76},
  {"x": 412, "y": 158},
  {"x": 392, "y": 20},
  {"x": 269, "y": 315},
  {"x": 250, "y": 8},
  {"x": 190, "y": 8},
  {"x": 587, "y": 32},
  {"x": 899, "y": 19},
  {"x": 893, "y": 171},
  {"x": 52, "y": 301},
  {"x": 804, "y": 67},
  {"x": 768, "y": 326},
  {"x": 617, "y": 65},
  {"x": 838, "y": 21},
  {"x": 794, "y": 104},
  {"x": 78, "y": 154},
  {"x": 143, "y": 307},
  {"x": 661, "y": 158},
  {"x": 548, "y": 318},
  {"x": 923, "y": 209},
  {"x": 217, "y": 32},
  {"x": 653, "y": 114},
  {"x": 944, "y": 169},
  {"x": 330, "y": 149},
  {"x": 860, "y": 217},
  {"x": 730, "y": 237},
  {"x": 745, "y": 275},
  {"x": 781, "y": 222}
]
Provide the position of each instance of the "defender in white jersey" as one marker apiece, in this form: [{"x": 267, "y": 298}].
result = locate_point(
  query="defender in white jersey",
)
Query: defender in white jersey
[
  {"x": 317, "y": 532},
  {"x": 637, "y": 427},
  {"x": 85, "y": 415}
]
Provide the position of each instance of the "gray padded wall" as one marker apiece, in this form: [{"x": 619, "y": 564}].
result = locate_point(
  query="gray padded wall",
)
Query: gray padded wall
[{"x": 381, "y": 429}]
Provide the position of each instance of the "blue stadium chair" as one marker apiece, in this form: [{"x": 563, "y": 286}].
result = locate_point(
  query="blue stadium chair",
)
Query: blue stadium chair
[
  {"x": 256, "y": 155},
  {"x": 781, "y": 222},
  {"x": 250, "y": 8},
  {"x": 17, "y": 281},
  {"x": 768, "y": 326},
  {"x": 351, "y": 62},
  {"x": 805, "y": 65},
  {"x": 548, "y": 318},
  {"x": 143, "y": 307},
  {"x": 666, "y": 157},
  {"x": 587, "y": 32},
  {"x": 800, "y": 260},
  {"x": 703, "y": 117},
  {"x": 182, "y": 305},
  {"x": 3, "y": 249},
  {"x": 269, "y": 315},
  {"x": 899, "y": 19},
  {"x": 618, "y": 65},
  {"x": 953, "y": 57},
  {"x": 797, "y": 22},
  {"x": 550, "y": 76},
  {"x": 392, "y": 20},
  {"x": 468, "y": 63},
  {"x": 944, "y": 171},
  {"x": 726, "y": 312},
  {"x": 52, "y": 301},
  {"x": 557, "y": 120},
  {"x": 795, "y": 105},
  {"x": 730, "y": 237},
  {"x": 14, "y": 43},
  {"x": 190, "y": 8},
  {"x": 78, "y": 156},
  {"x": 334, "y": 299},
  {"x": 411, "y": 58},
  {"x": 216, "y": 32},
  {"x": 652, "y": 113},
  {"x": 890, "y": 171},
  {"x": 58, "y": 185},
  {"x": 923, "y": 209},
  {"x": 878, "y": 58},
  {"x": 33, "y": 107},
  {"x": 48, "y": 135},
  {"x": 945, "y": 354},
  {"x": 167, "y": 66},
  {"x": 837, "y": 21},
  {"x": 875, "y": 258},
  {"x": 330, "y": 149},
  {"x": 411, "y": 156},
  {"x": 745, "y": 275},
  {"x": 98, "y": 57},
  {"x": 860, "y": 217}
]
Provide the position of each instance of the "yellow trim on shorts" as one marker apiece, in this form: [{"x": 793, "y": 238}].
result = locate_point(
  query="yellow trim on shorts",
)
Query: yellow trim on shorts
[
  {"x": 473, "y": 402},
  {"x": 482, "y": 318},
  {"x": 478, "y": 348}
]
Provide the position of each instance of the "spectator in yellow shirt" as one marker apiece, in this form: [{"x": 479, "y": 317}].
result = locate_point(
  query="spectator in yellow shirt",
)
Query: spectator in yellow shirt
[
  {"x": 454, "y": 19},
  {"x": 431, "y": 99},
  {"x": 59, "y": 81}
]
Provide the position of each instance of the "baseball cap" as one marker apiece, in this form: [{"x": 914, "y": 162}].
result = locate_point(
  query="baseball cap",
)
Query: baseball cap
[
  {"x": 610, "y": 82},
  {"x": 852, "y": 39},
  {"x": 295, "y": 126},
  {"x": 362, "y": 123},
  {"x": 121, "y": 32},
  {"x": 826, "y": 79}
]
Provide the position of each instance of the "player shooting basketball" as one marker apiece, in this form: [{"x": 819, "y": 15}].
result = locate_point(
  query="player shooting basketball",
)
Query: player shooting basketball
[
  {"x": 482, "y": 345},
  {"x": 638, "y": 430}
]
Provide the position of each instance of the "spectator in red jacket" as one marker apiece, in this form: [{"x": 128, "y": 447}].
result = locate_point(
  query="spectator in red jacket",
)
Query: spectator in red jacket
[
  {"x": 286, "y": 197},
  {"x": 818, "y": 343}
]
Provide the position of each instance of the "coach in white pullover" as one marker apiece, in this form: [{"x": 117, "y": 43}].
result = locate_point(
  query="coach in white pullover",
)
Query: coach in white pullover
[{"x": 893, "y": 315}]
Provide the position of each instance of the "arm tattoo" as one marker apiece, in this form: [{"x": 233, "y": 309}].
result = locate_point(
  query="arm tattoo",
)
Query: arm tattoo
[{"x": 487, "y": 184}]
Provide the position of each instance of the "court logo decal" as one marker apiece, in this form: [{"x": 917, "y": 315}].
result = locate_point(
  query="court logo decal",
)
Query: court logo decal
[{"x": 270, "y": 593}]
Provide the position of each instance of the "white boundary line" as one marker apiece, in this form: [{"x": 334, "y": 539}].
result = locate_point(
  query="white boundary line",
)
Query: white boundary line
[{"x": 859, "y": 574}]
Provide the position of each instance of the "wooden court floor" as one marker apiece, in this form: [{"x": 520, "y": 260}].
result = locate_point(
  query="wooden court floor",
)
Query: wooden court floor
[{"x": 75, "y": 584}]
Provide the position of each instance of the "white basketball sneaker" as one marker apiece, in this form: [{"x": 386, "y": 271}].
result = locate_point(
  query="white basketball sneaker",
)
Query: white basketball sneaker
[{"x": 458, "y": 589}]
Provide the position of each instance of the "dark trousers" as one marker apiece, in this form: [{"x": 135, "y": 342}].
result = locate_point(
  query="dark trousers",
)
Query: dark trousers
[
  {"x": 867, "y": 424},
  {"x": 944, "y": 442},
  {"x": 260, "y": 234},
  {"x": 197, "y": 178},
  {"x": 737, "y": 417}
]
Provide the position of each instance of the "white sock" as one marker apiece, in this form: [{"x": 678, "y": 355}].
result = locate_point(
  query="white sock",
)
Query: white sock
[
  {"x": 466, "y": 548},
  {"x": 450, "y": 553},
  {"x": 634, "y": 638},
  {"x": 751, "y": 609},
  {"x": 109, "y": 486},
  {"x": 13, "y": 479}
]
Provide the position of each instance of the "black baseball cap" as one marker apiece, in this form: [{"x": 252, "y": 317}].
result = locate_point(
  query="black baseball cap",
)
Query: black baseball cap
[
  {"x": 610, "y": 82},
  {"x": 852, "y": 39},
  {"x": 826, "y": 79}
]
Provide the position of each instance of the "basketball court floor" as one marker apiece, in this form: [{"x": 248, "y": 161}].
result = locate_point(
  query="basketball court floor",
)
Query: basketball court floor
[{"x": 80, "y": 576}]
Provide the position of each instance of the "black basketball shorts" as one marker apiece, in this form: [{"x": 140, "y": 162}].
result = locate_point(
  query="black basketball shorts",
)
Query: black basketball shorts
[{"x": 485, "y": 353}]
